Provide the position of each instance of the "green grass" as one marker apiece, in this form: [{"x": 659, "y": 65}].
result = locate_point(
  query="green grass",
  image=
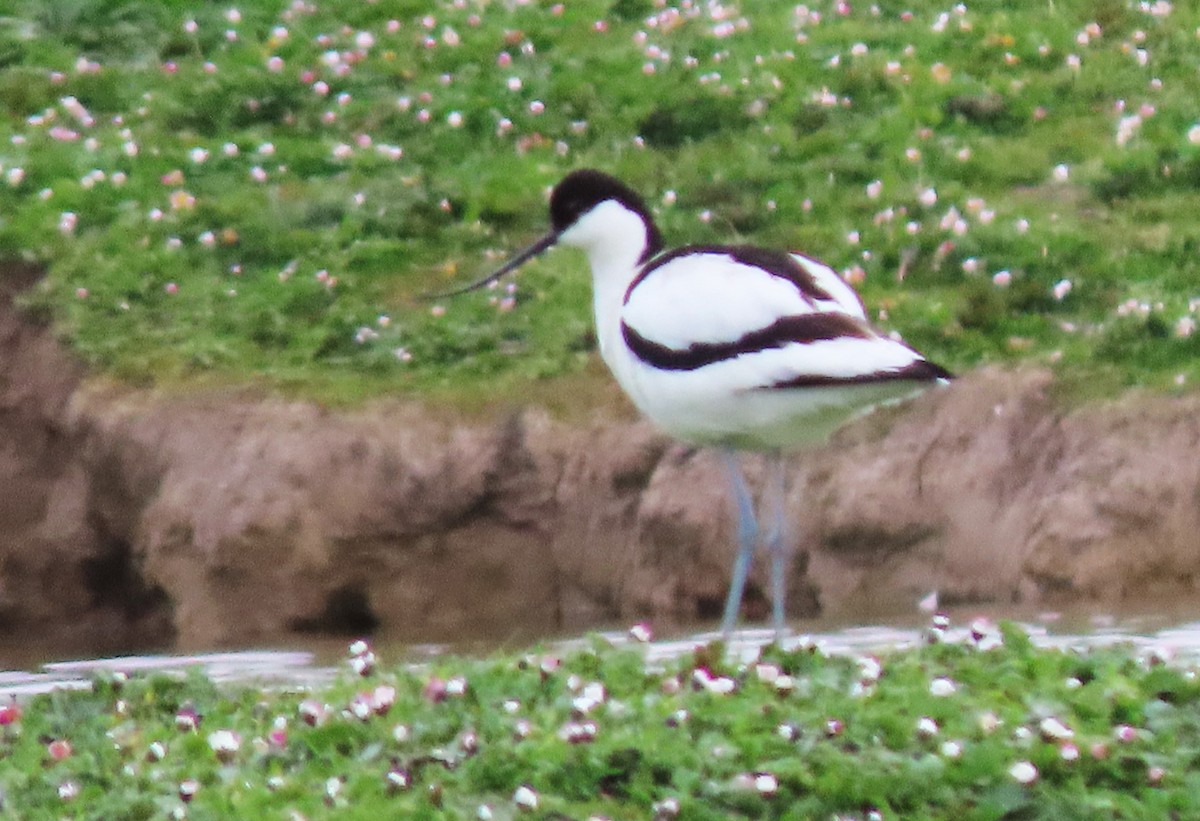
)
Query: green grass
[
  {"x": 942, "y": 731},
  {"x": 767, "y": 125}
]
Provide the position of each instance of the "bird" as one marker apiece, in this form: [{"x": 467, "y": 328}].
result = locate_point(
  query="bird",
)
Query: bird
[{"x": 737, "y": 347}]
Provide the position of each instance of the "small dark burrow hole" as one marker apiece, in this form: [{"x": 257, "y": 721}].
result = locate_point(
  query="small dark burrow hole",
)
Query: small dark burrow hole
[
  {"x": 115, "y": 585},
  {"x": 347, "y": 613}
]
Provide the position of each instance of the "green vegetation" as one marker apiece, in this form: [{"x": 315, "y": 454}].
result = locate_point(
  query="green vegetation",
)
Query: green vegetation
[
  {"x": 987, "y": 729},
  {"x": 258, "y": 193}
]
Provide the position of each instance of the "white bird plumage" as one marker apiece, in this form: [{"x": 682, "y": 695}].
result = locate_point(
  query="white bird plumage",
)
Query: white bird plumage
[{"x": 733, "y": 346}]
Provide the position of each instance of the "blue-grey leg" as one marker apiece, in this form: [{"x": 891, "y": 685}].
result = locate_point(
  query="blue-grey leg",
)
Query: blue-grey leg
[
  {"x": 776, "y": 538},
  {"x": 747, "y": 538}
]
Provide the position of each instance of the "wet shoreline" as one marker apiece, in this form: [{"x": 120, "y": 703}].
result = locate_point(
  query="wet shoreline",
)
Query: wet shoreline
[{"x": 1177, "y": 643}]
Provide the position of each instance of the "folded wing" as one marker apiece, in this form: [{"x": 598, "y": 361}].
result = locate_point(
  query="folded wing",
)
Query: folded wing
[{"x": 776, "y": 320}]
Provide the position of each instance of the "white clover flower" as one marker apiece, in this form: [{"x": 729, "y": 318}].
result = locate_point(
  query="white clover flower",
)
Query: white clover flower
[
  {"x": 225, "y": 743},
  {"x": 951, "y": 749},
  {"x": 525, "y": 798},
  {"x": 942, "y": 687},
  {"x": 667, "y": 808},
  {"x": 766, "y": 784},
  {"x": 1023, "y": 772},
  {"x": 869, "y": 668},
  {"x": 1054, "y": 730}
]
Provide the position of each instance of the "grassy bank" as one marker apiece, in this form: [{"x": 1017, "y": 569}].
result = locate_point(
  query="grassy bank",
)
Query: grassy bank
[
  {"x": 987, "y": 729},
  {"x": 256, "y": 191}
]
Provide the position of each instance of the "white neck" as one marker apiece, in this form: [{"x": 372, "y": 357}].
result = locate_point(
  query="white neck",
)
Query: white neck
[{"x": 614, "y": 239}]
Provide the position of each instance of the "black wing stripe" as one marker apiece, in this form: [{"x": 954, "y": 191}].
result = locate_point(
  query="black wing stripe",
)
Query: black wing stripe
[
  {"x": 802, "y": 329},
  {"x": 920, "y": 371},
  {"x": 776, "y": 263}
]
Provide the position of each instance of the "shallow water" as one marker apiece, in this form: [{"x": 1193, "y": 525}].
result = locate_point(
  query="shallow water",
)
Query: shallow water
[{"x": 1174, "y": 633}]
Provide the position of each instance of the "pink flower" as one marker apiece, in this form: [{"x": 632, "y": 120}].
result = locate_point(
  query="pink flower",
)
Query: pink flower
[
  {"x": 382, "y": 698},
  {"x": 311, "y": 712},
  {"x": 1125, "y": 733},
  {"x": 187, "y": 719},
  {"x": 435, "y": 690}
]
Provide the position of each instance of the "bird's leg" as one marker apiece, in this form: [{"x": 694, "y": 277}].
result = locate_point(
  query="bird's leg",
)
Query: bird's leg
[
  {"x": 747, "y": 537},
  {"x": 776, "y": 538}
]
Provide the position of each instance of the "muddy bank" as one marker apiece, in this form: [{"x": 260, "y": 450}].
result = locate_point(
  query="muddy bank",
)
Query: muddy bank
[{"x": 129, "y": 519}]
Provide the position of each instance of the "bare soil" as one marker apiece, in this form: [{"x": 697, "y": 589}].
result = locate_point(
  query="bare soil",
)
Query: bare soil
[{"x": 132, "y": 519}]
